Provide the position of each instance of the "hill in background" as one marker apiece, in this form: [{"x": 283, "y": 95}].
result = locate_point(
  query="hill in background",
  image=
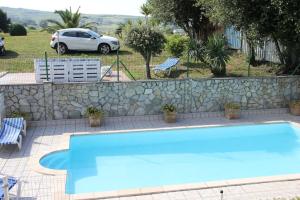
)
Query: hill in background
[{"x": 32, "y": 18}]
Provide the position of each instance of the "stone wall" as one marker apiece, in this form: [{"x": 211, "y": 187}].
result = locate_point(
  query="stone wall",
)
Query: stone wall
[
  {"x": 62, "y": 101},
  {"x": 27, "y": 99}
]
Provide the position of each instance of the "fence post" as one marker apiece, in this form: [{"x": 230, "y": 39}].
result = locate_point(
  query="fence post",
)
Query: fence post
[
  {"x": 46, "y": 62},
  {"x": 118, "y": 66},
  {"x": 188, "y": 64}
]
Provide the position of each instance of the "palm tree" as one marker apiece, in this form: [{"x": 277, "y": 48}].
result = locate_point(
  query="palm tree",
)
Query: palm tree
[
  {"x": 120, "y": 29},
  {"x": 146, "y": 11},
  {"x": 69, "y": 20}
]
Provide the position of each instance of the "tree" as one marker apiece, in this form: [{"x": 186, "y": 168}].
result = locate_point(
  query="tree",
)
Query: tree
[
  {"x": 146, "y": 10},
  {"x": 17, "y": 30},
  {"x": 277, "y": 19},
  {"x": 216, "y": 55},
  {"x": 29, "y": 22},
  {"x": 176, "y": 45},
  {"x": 119, "y": 30},
  {"x": 43, "y": 24},
  {"x": 187, "y": 14},
  {"x": 69, "y": 20},
  {"x": 146, "y": 41},
  {"x": 4, "y": 22}
]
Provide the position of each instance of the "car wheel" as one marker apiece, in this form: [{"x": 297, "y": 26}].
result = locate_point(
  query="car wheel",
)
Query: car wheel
[
  {"x": 104, "y": 48},
  {"x": 63, "y": 49}
]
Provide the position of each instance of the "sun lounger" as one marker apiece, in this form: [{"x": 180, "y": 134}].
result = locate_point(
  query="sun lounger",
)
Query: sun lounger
[
  {"x": 12, "y": 131},
  {"x": 167, "y": 65},
  {"x": 18, "y": 123},
  {"x": 11, "y": 182}
]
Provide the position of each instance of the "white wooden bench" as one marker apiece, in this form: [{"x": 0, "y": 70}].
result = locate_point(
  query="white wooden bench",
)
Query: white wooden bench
[{"x": 68, "y": 70}]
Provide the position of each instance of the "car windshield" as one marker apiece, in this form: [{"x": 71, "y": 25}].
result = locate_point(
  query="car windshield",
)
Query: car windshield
[{"x": 94, "y": 34}]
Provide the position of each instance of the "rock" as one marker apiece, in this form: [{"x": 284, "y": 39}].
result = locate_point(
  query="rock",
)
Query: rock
[
  {"x": 93, "y": 93},
  {"x": 58, "y": 115},
  {"x": 129, "y": 92},
  {"x": 75, "y": 104},
  {"x": 23, "y": 102},
  {"x": 75, "y": 114},
  {"x": 148, "y": 91},
  {"x": 139, "y": 90}
]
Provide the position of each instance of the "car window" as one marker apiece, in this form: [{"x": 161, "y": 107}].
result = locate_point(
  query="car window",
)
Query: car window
[
  {"x": 83, "y": 35},
  {"x": 70, "y": 34},
  {"x": 94, "y": 34}
]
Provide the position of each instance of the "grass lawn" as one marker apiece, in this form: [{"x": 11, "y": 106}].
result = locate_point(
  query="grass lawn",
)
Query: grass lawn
[{"x": 21, "y": 51}]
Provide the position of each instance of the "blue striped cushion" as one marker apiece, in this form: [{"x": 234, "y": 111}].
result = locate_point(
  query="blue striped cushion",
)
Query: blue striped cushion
[
  {"x": 9, "y": 134},
  {"x": 11, "y": 183},
  {"x": 170, "y": 62},
  {"x": 15, "y": 122}
]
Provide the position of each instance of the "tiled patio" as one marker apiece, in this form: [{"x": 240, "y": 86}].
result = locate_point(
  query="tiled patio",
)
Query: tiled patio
[
  {"x": 44, "y": 135},
  {"x": 29, "y": 78}
]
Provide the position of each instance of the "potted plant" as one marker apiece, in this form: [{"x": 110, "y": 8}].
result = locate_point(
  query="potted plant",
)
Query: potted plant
[
  {"x": 169, "y": 113},
  {"x": 232, "y": 111},
  {"x": 17, "y": 114},
  {"x": 295, "y": 107},
  {"x": 95, "y": 116}
]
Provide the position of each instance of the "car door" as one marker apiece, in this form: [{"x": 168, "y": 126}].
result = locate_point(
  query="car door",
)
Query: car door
[
  {"x": 69, "y": 38},
  {"x": 86, "y": 41}
]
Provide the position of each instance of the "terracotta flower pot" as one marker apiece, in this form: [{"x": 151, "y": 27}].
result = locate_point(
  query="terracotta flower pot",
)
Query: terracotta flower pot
[
  {"x": 95, "y": 121},
  {"x": 232, "y": 113},
  {"x": 170, "y": 117},
  {"x": 295, "y": 108}
]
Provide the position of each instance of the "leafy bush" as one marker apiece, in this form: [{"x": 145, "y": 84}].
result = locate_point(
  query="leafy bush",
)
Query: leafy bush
[
  {"x": 17, "y": 114},
  {"x": 169, "y": 108},
  {"x": 32, "y": 28},
  {"x": 176, "y": 45},
  {"x": 295, "y": 103},
  {"x": 196, "y": 50},
  {"x": 17, "y": 30},
  {"x": 216, "y": 55},
  {"x": 147, "y": 41},
  {"x": 4, "y": 22},
  {"x": 234, "y": 106},
  {"x": 94, "y": 112}
]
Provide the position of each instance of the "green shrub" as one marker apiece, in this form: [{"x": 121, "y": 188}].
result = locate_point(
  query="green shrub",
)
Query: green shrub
[
  {"x": 17, "y": 114},
  {"x": 217, "y": 55},
  {"x": 32, "y": 28},
  {"x": 169, "y": 108},
  {"x": 147, "y": 41},
  {"x": 234, "y": 106},
  {"x": 17, "y": 30},
  {"x": 196, "y": 50},
  {"x": 176, "y": 45},
  {"x": 295, "y": 103},
  {"x": 94, "y": 112}
]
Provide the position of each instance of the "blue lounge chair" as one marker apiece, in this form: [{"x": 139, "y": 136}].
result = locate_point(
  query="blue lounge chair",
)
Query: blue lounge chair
[
  {"x": 11, "y": 131},
  {"x": 11, "y": 181},
  {"x": 18, "y": 123},
  {"x": 167, "y": 65}
]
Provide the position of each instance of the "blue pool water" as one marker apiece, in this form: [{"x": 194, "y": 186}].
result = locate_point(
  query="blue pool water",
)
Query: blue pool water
[{"x": 98, "y": 163}]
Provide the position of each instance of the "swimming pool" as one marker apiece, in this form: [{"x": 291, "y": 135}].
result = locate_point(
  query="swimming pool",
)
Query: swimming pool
[{"x": 98, "y": 163}]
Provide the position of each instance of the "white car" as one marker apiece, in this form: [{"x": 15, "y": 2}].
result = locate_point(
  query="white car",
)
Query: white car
[
  {"x": 78, "y": 39},
  {"x": 2, "y": 48}
]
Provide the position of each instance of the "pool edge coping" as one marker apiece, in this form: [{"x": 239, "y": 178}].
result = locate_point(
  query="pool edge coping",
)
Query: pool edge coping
[{"x": 64, "y": 146}]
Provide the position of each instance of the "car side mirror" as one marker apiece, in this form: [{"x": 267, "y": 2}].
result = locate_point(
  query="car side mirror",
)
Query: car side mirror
[
  {"x": 2, "y": 38},
  {"x": 93, "y": 38}
]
